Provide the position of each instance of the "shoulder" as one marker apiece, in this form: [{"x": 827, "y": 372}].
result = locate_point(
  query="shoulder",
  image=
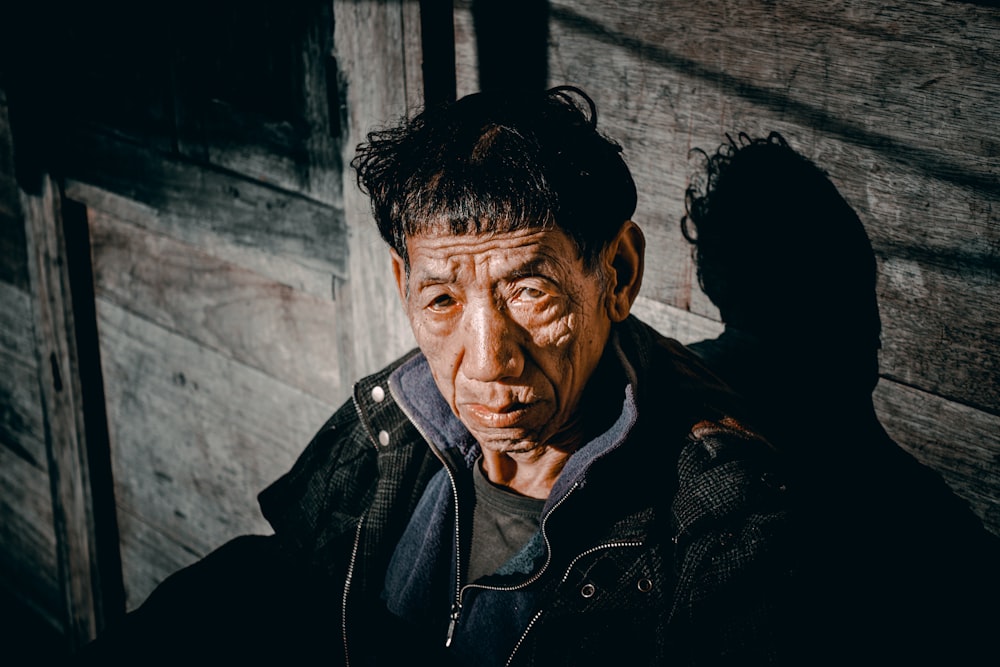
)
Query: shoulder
[
  {"x": 330, "y": 484},
  {"x": 736, "y": 549}
]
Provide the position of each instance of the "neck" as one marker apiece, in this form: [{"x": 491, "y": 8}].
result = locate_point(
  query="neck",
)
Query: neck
[{"x": 530, "y": 474}]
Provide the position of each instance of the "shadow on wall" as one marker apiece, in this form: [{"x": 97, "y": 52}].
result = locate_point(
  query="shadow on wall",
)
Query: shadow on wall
[
  {"x": 512, "y": 43},
  {"x": 892, "y": 557}
]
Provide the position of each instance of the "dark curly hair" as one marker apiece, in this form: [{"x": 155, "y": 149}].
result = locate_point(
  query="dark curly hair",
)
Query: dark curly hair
[
  {"x": 499, "y": 161},
  {"x": 777, "y": 246}
]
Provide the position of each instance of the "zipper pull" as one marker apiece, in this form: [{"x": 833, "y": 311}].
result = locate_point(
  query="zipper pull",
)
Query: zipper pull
[{"x": 456, "y": 609}]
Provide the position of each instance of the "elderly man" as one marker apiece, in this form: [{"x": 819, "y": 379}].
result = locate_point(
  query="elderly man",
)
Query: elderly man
[{"x": 544, "y": 481}]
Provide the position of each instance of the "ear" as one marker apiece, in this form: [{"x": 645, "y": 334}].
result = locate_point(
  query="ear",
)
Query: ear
[
  {"x": 399, "y": 273},
  {"x": 625, "y": 262}
]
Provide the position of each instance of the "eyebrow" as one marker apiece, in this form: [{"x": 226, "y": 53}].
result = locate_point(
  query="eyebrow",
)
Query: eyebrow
[{"x": 539, "y": 266}]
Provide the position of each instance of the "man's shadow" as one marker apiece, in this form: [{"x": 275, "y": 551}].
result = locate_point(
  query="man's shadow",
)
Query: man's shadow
[{"x": 892, "y": 560}]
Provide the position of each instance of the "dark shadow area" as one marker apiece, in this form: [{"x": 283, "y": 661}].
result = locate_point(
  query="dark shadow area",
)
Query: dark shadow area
[
  {"x": 26, "y": 638},
  {"x": 512, "y": 43},
  {"x": 437, "y": 31},
  {"x": 895, "y": 567}
]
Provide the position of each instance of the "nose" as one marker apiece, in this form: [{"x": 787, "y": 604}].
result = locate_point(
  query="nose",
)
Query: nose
[{"x": 491, "y": 346}]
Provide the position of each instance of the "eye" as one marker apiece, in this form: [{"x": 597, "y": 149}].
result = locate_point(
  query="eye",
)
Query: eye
[
  {"x": 530, "y": 294},
  {"x": 441, "y": 302}
]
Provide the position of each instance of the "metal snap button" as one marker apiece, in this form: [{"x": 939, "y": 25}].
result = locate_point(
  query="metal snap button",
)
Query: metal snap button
[
  {"x": 383, "y": 438},
  {"x": 588, "y": 590},
  {"x": 644, "y": 585},
  {"x": 378, "y": 394}
]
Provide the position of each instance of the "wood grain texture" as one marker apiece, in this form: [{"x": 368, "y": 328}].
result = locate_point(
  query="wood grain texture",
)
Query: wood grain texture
[
  {"x": 961, "y": 443},
  {"x": 22, "y": 425},
  {"x": 194, "y": 435},
  {"x": 28, "y": 561},
  {"x": 672, "y": 322},
  {"x": 62, "y": 402},
  {"x": 148, "y": 555},
  {"x": 374, "y": 43},
  {"x": 13, "y": 257},
  {"x": 297, "y": 152},
  {"x": 284, "y": 333},
  {"x": 290, "y": 238}
]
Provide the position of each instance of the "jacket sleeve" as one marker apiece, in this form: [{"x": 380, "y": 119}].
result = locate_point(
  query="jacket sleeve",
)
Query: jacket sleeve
[{"x": 315, "y": 507}]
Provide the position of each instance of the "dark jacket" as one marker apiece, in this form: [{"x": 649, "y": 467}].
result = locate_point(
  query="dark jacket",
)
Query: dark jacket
[{"x": 673, "y": 550}]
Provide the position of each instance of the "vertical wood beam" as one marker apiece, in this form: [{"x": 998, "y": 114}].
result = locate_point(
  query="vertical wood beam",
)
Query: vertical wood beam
[
  {"x": 62, "y": 403},
  {"x": 377, "y": 49}
]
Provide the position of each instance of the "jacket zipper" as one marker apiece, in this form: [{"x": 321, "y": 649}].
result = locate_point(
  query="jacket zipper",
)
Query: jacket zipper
[
  {"x": 456, "y": 607},
  {"x": 569, "y": 568},
  {"x": 347, "y": 587}
]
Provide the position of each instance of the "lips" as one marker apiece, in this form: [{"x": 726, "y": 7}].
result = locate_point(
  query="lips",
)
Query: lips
[{"x": 508, "y": 415}]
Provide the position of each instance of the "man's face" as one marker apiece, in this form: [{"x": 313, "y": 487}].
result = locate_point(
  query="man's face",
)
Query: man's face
[{"x": 512, "y": 326}]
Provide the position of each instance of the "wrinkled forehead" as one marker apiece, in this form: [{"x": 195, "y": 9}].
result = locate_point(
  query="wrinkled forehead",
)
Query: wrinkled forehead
[{"x": 517, "y": 252}]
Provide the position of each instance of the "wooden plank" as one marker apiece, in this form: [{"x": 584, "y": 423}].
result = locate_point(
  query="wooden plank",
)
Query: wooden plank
[
  {"x": 22, "y": 428},
  {"x": 14, "y": 264},
  {"x": 289, "y": 238},
  {"x": 297, "y": 150},
  {"x": 252, "y": 319},
  {"x": 62, "y": 401},
  {"x": 960, "y": 442},
  {"x": 369, "y": 39},
  {"x": 17, "y": 335},
  {"x": 466, "y": 51},
  {"x": 672, "y": 322},
  {"x": 28, "y": 562},
  {"x": 148, "y": 556},
  {"x": 22, "y": 425},
  {"x": 941, "y": 329},
  {"x": 915, "y": 81},
  {"x": 194, "y": 435}
]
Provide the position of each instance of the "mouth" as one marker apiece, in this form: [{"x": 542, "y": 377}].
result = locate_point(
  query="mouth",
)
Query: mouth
[{"x": 505, "y": 415}]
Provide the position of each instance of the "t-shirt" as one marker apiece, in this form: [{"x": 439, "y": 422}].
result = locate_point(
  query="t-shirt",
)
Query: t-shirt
[{"x": 502, "y": 523}]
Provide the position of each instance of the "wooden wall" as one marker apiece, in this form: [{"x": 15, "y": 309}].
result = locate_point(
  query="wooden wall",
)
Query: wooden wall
[
  {"x": 28, "y": 567},
  {"x": 185, "y": 243},
  {"x": 897, "y": 101},
  {"x": 232, "y": 288}
]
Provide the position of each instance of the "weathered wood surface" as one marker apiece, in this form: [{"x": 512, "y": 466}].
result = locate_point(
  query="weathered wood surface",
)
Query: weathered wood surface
[
  {"x": 241, "y": 84},
  {"x": 13, "y": 256},
  {"x": 287, "y": 237},
  {"x": 62, "y": 402},
  {"x": 377, "y": 46},
  {"x": 674, "y": 322},
  {"x": 961, "y": 443},
  {"x": 22, "y": 424},
  {"x": 195, "y": 435},
  {"x": 28, "y": 566},
  {"x": 241, "y": 314},
  {"x": 293, "y": 147},
  {"x": 28, "y": 562},
  {"x": 27, "y": 536},
  {"x": 148, "y": 555}
]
